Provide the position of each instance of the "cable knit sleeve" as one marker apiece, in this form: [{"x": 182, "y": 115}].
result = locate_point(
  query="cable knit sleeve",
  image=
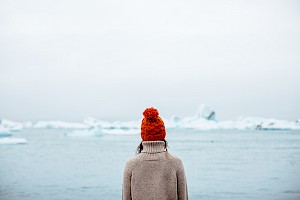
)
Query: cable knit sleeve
[
  {"x": 126, "y": 189},
  {"x": 181, "y": 182}
]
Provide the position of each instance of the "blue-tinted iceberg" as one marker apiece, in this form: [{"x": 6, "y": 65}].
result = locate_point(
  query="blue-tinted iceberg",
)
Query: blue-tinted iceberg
[
  {"x": 206, "y": 112},
  {"x": 4, "y": 132}
]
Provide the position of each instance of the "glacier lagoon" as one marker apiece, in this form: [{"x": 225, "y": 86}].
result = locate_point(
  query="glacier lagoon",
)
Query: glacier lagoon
[{"x": 219, "y": 164}]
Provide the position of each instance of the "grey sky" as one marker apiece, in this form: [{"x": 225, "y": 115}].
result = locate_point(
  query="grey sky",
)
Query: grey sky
[{"x": 112, "y": 59}]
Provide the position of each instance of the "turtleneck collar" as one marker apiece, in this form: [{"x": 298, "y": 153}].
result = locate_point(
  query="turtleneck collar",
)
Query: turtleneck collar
[{"x": 153, "y": 146}]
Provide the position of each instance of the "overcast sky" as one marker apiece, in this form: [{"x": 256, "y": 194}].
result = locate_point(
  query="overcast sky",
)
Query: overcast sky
[{"x": 111, "y": 59}]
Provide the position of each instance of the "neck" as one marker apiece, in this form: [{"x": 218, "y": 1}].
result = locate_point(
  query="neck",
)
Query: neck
[{"x": 153, "y": 146}]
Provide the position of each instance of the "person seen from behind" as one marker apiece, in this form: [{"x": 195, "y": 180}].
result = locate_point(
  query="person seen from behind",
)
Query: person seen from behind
[{"x": 154, "y": 173}]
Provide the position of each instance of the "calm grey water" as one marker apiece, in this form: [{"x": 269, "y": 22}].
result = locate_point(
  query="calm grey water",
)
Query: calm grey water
[{"x": 242, "y": 165}]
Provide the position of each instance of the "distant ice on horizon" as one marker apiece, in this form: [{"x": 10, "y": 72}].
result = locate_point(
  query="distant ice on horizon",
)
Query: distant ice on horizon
[{"x": 203, "y": 119}]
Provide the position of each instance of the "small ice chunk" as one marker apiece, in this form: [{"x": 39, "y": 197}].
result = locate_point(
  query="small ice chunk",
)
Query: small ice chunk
[{"x": 9, "y": 140}]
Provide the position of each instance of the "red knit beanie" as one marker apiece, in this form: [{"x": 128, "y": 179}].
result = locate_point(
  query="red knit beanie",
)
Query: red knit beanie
[{"x": 153, "y": 127}]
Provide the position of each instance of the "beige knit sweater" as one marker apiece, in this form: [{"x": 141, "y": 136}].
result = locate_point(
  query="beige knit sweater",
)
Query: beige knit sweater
[{"x": 154, "y": 174}]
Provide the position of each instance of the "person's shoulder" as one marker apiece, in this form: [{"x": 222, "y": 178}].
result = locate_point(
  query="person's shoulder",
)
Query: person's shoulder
[
  {"x": 131, "y": 162},
  {"x": 175, "y": 159}
]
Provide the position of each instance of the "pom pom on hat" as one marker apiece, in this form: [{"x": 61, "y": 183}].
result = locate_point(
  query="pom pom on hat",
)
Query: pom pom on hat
[
  {"x": 152, "y": 128},
  {"x": 151, "y": 113}
]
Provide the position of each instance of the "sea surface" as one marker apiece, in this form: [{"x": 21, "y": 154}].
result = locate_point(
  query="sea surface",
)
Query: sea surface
[{"x": 227, "y": 165}]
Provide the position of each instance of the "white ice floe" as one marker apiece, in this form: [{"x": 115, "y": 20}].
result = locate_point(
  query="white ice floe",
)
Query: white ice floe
[
  {"x": 273, "y": 124},
  {"x": 60, "y": 124},
  {"x": 198, "y": 123},
  {"x": 129, "y": 131},
  {"x": 10, "y": 140},
  {"x": 86, "y": 133},
  {"x": 14, "y": 126},
  {"x": 174, "y": 122},
  {"x": 96, "y": 132},
  {"x": 93, "y": 122}
]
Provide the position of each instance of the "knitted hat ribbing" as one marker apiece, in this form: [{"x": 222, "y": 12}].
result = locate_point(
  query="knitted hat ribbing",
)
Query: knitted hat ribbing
[{"x": 153, "y": 127}]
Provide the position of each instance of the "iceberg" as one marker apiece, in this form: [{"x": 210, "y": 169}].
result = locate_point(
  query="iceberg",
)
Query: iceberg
[
  {"x": 10, "y": 140},
  {"x": 174, "y": 122},
  {"x": 206, "y": 112},
  {"x": 258, "y": 123},
  {"x": 94, "y": 132},
  {"x": 101, "y": 127},
  {"x": 198, "y": 123},
  {"x": 130, "y": 131},
  {"x": 98, "y": 131},
  {"x": 275, "y": 124},
  {"x": 61, "y": 125},
  {"x": 203, "y": 119},
  {"x": 14, "y": 126},
  {"x": 93, "y": 122}
]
